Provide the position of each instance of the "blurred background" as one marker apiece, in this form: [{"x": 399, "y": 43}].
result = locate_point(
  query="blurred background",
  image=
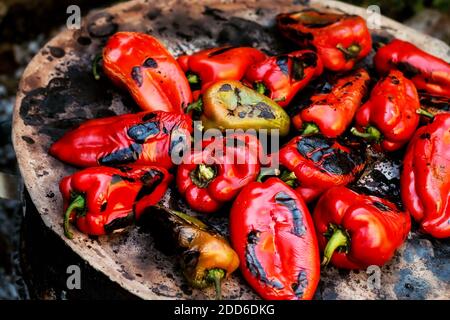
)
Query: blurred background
[{"x": 26, "y": 25}]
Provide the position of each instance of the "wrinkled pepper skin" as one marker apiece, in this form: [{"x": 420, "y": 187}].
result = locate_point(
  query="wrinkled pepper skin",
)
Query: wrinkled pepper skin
[
  {"x": 273, "y": 234},
  {"x": 282, "y": 77},
  {"x": 425, "y": 179},
  {"x": 341, "y": 40},
  {"x": 217, "y": 64},
  {"x": 331, "y": 113},
  {"x": 390, "y": 117},
  {"x": 428, "y": 73},
  {"x": 144, "y": 138},
  {"x": 205, "y": 256},
  {"x": 101, "y": 199},
  {"x": 315, "y": 163},
  {"x": 232, "y": 105},
  {"x": 209, "y": 178},
  {"x": 142, "y": 65},
  {"x": 356, "y": 230}
]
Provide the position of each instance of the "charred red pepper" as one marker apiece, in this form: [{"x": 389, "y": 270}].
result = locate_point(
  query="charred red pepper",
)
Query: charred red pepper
[
  {"x": 331, "y": 113},
  {"x": 273, "y": 234},
  {"x": 142, "y": 138},
  {"x": 101, "y": 199},
  {"x": 425, "y": 180},
  {"x": 340, "y": 39},
  {"x": 356, "y": 230},
  {"x": 313, "y": 163},
  {"x": 390, "y": 117},
  {"x": 226, "y": 63},
  {"x": 209, "y": 178},
  {"x": 142, "y": 65},
  {"x": 427, "y": 72},
  {"x": 281, "y": 77}
]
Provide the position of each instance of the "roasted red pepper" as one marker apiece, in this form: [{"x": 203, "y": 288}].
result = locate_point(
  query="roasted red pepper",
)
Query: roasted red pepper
[
  {"x": 209, "y": 178},
  {"x": 426, "y": 71},
  {"x": 425, "y": 180},
  {"x": 211, "y": 65},
  {"x": 390, "y": 117},
  {"x": 340, "y": 39},
  {"x": 101, "y": 199},
  {"x": 142, "y": 65},
  {"x": 313, "y": 163},
  {"x": 356, "y": 230},
  {"x": 331, "y": 113},
  {"x": 273, "y": 234},
  {"x": 142, "y": 138},
  {"x": 281, "y": 77}
]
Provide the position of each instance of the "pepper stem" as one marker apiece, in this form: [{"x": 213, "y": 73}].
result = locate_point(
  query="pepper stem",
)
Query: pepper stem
[
  {"x": 193, "y": 78},
  {"x": 215, "y": 276},
  {"x": 310, "y": 128},
  {"x": 350, "y": 52},
  {"x": 196, "y": 105},
  {"x": 371, "y": 133},
  {"x": 260, "y": 88},
  {"x": 203, "y": 175},
  {"x": 77, "y": 204},
  {"x": 425, "y": 113},
  {"x": 265, "y": 172},
  {"x": 337, "y": 239},
  {"x": 95, "y": 70},
  {"x": 289, "y": 178}
]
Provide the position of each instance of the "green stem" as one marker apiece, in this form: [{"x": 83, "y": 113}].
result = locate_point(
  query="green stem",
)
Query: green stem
[
  {"x": 338, "y": 239},
  {"x": 371, "y": 133},
  {"x": 77, "y": 204},
  {"x": 260, "y": 88},
  {"x": 289, "y": 178},
  {"x": 215, "y": 276},
  {"x": 310, "y": 128},
  {"x": 425, "y": 113},
  {"x": 95, "y": 63},
  {"x": 203, "y": 175},
  {"x": 265, "y": 172},
  {"x": 350, "y": 52},
  {"x": 196, "y": 105},
  {"x": 193, "y": 78}
]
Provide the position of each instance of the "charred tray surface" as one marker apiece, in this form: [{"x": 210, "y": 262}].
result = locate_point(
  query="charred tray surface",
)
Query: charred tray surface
[{"x": 58, "y": 92}]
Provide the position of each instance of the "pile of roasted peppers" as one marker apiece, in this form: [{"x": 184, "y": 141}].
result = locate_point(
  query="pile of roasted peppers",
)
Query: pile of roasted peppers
[{"x": 282, "y": 226}]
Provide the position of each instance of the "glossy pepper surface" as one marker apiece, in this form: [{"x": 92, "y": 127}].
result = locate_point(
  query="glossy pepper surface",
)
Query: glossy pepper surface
[
  {"x": 425, "y": 179},
  {"x": 331, "y": 113},
  {"x": 356, "y": 230},
  {"x": 273, "y": 234},
  {"x": 340, "y": 39},
  {"x": 282, "y": 77},
  {"x": 232, "y": 105},
  {"x": 142, "y": 138},
  {"x": 225, "y": 63},
  {"x": 101, "y": 199},
  {"x": 427, "y": 72},
  {"x": 209, "y": 178},
  {"x": 142, "y": 65},
  {"x": 390, "y": 117},
  {"x": 205, "y": 256},
  {"x": 313, "y": 163}
]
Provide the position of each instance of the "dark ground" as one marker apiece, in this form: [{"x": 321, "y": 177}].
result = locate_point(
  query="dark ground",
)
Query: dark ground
[{"x": 24, "y": 29}]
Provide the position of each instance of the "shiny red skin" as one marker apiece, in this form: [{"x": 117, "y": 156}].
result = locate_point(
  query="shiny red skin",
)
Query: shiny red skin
[
  {"x": 98, "y": 139},
  {"x": 224, "y": 63},
  {"x": 236, "y": 167},
  {"x": 155, "y": 84},
  {"x": 333, "y": 112},
  {"x": 427, "y": 72},
  {"x": 425, "y": 179},
  {"x": 342, "y": 29},
  {"x": 281, "y": 81},
  {"x": 392, "y": 109},
  {"x": 282, "y": 253},
  {"x": 375, "y": 233},
  {"x": 98, "y": 187}
]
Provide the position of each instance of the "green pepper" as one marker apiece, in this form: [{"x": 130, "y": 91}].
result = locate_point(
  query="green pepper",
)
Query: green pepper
[{"x": 231, "y": 105}]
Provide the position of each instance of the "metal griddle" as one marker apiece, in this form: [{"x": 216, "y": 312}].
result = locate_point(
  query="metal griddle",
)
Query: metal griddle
[{"x": 58, "y": 92}]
